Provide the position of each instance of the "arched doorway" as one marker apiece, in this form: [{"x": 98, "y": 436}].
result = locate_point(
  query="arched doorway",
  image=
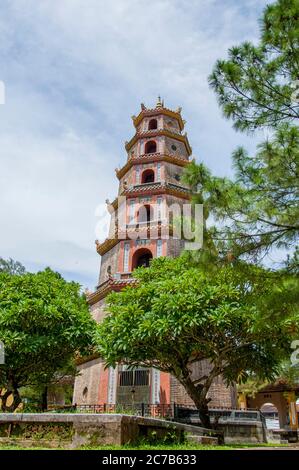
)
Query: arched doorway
[
  {"x": 271, "y": 415},
  {"x": 150, "y": 147},
  {"x": 272, "y": 398},
  {"x": 148, "y": 176},
  {"x": 141, "y": 257},
  {"x": 144, "y": 214},
  {"x": 153, "y": 124}
]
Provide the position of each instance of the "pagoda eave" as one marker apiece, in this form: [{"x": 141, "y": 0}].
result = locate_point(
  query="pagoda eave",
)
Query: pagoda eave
[
  {"x": 152, "y": 112},
  {"x": 111, "y": 285},
  {"x": 150, "y": 158},
  {"x": 159, "y": 132},
  {"x": 141, "y": 233},
  {"x": 134, "y": 192},
  {"x": 161, "y": 189}
]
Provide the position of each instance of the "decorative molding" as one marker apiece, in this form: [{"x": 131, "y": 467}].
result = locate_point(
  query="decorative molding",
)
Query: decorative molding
[
  {"x": 143, "y": 232},
  {"x": 112, "y": 385},
  {"x": 108, "y": 286},
  {"x": 151, "y": 158},
  {"x": 151, "y": 189},
  {"x": 173, "y": 135},
  {"x": 158, "y": 112},
  {"x": 155, "y": 389}
]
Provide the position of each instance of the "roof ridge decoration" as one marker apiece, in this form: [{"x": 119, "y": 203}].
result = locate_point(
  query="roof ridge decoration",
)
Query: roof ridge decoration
[{"x": 160, "y": 108}]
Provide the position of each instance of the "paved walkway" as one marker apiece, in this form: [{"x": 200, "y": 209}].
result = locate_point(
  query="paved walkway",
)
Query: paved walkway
[{"x": 289, "y": 447}]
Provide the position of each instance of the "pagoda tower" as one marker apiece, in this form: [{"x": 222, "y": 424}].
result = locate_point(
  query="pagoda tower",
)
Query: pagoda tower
[{"x": 141, "y": 229}]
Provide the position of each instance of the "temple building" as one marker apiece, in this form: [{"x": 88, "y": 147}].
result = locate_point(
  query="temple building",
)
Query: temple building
[{"x": 149, "y": 182}]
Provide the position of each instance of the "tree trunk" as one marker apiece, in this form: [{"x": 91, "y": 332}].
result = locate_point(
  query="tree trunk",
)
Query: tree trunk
[
  {"x": 45, "y": 399},
  {"x": 203, "y": 411},
  {"x": 198, "y": 393}
]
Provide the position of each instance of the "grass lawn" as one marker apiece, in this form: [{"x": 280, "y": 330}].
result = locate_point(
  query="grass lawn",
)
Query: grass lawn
[{"x": 183, "y": 446}]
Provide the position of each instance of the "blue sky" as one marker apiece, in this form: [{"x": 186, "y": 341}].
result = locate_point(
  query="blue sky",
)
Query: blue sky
[{"x": 74, "y": 73}]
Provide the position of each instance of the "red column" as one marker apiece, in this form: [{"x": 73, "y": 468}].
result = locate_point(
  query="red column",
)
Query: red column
[{"x": 164, "y": 387}]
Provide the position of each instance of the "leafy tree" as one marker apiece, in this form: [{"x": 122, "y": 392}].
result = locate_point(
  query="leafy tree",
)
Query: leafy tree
[
  {"x": 180, "y": 314},
  {"x": 259, "y": 209},
  {"x": 44, "y": 322},
  {"x": 252, "y": 386},
  {"x": 10, "y": 266},
  {"x": 256, "y": 86},
  {"x": 289, "y": 373}
]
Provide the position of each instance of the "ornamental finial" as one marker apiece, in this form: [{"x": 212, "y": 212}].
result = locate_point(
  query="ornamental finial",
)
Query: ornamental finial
[{"x": 160, "y": 103}]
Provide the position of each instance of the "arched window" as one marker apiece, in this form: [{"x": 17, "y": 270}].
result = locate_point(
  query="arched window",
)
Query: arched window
[
  {"x": 153, "y": 124},
  {"x": 144, "y": 214},
  {"x": 150, "y": 147},
  {"x": 148, "y": 176},
  {"x": 141, "y": 257}
]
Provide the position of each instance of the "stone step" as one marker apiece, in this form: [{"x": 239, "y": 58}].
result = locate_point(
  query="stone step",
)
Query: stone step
[{"x": 207, "y": 440}]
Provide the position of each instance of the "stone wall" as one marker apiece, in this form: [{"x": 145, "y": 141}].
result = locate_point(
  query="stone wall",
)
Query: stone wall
[
  {"x": 133, "y": 151},
  {"x": 171, "y": 124},
  {"x": 173, "y": 173},
  {"x": 128, "y": 178},
  {"x": 109, "y": 259},
  {"x": 174, "y": 247},
  {"x": 87, "y": 383},
  {"x": 75, "y": 430},
  {"x": 220, "y": 394},
  {"x": 243, "y": 432},
  {"x": 98, "y": 310},
  {"x": 179, "y": 151}
]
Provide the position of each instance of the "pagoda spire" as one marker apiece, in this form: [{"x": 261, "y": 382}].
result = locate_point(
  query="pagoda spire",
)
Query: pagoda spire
[{"x": 160, "y": 103}]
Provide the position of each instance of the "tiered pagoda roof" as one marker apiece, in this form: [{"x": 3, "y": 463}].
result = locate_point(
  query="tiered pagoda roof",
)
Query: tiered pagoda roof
[{"x": 162, "y": 110}]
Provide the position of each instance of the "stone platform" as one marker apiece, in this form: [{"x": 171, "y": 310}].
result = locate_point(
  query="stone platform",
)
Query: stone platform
[{"x": 72, "y": 430}]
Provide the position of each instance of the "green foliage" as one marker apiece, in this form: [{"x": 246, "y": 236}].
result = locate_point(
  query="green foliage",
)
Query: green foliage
[
  {"x": 11, "y": 267},
  {"x": 36, "y": 432},
  {"x": 44, "y": 322},
  {"x": 289, "y": 373},
  {"x": 146, "y": 446},
  {"x": 181, "y": 314},
  {"x": 171, "y": 437},
  {"x": 258, "y": 210},
  {"x": 256, "y": 85},
  {"x": 252, "y": 386}
]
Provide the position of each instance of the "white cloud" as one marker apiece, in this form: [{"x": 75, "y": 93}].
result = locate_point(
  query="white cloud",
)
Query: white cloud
[{"x": 75, "y": 71}]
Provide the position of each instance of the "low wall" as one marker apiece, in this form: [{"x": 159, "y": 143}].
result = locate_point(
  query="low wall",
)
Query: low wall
[
  {"x": 70, "y": 430},
  {"x": 243, "y": 432},
  {"x": 239, "y": 431}
]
